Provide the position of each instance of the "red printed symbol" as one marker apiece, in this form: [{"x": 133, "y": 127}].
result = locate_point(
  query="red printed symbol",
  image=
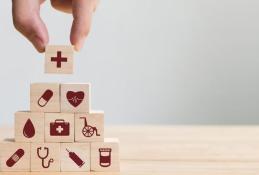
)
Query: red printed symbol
[
  {"x": 43, "y": 158},
  {"x": 88, "y": 131},
  {"x": 105, "y": 157},
  {"x": 73, "y": 156},
  {"x": 75, "y": 98},
  {"x": 59, "y": 59},
  {"x": 28, "y": 129},
  {"x": 59, "y": 128},
  {"x": 15, "y": 158},
  {"x": 44, "y": 99}
]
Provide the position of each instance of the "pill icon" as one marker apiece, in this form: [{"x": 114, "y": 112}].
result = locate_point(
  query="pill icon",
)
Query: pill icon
[
  {"x": 45, "y": 98},
  {"x": 15, "y": 157}
]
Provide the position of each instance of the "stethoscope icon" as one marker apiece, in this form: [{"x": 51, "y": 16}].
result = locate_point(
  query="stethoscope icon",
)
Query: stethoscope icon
[{"x": 44, "y": 157}]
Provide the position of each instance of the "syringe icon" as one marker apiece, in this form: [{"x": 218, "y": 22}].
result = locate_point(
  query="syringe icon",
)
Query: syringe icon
[{"x": 75, "y": 158}]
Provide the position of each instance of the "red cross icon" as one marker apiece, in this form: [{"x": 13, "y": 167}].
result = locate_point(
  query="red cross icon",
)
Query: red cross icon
[
  {"x": 59, "y": 59},
  {"x": 59, "y": 129}
]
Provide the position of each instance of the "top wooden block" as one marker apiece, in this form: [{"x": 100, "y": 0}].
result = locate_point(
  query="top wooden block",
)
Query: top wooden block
[{"x": 59, "y": 59}]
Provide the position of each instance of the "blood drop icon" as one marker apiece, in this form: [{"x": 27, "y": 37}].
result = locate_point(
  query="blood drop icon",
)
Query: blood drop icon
[{"x": 28, "y": 130}]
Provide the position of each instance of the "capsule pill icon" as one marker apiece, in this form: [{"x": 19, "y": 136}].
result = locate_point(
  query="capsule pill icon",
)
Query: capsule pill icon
[
  {"x": 15, "y": 158},
  {"x": 45, "y": 98}
]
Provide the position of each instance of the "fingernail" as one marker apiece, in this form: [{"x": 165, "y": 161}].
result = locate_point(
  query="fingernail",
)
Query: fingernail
[
  {"x": 38, "y": 44},
  {"x": 79, "y": 44}
]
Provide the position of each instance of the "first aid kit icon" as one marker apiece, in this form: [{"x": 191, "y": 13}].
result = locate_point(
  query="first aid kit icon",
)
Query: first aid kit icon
[{"x": 59, "y": 128}]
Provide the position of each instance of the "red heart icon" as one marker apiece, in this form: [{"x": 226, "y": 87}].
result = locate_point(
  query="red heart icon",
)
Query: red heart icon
[{"x": 75, "y": 98}]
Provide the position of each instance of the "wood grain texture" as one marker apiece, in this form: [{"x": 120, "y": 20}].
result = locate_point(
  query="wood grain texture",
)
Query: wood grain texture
[
  {"x": 37, "y": 119},
  {"x": 53, "y": 153},
  {"x": 181, "y": 150},
  {"x": 9, "y": 153},
  {"x": 105, "y": 156},
  {"x": 38, "y": 90},
  {"x": 93, "y": 131},
  {"x": 83, "y": 105},
  {"x": 57, "y": 120},
  {"x": 66, "y": 52},
  {"x": 68, "y": 161}
]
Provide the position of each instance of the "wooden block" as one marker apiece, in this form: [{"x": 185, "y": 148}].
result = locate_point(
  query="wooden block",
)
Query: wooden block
[
  {"x": 45, "y": 97},
  {"x": 89, "y": 127},
  {"x": 75, "y": 98},
  {"x": 29, "y": 127},
  {"x": 45, "y": 157},
  {"x": 75, "y": 157},
  {"x": 105, "y": 156},
  {"x": 59, "y": 127},
  {"x": 59, "y": 59},
  {"x": 14, "y": 156}
]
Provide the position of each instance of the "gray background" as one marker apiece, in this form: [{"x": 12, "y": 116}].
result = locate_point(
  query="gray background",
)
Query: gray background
[{"x": 149, "y": 61}]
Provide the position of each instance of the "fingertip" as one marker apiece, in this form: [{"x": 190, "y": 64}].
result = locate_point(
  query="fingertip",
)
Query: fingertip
[
  {"x": 39, "y": 43},
  {"x": 78, "y": 44},
  {"x": 39, "y": 47},
  {"x": 77, "y": 37},
  {"x": 82, "y": 13}
]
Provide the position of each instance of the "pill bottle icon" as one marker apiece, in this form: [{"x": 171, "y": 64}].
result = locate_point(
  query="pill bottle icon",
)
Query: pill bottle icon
[
  {"x": 15, "y": 158},
  {"x": 105, "y": 157},
  {"x": 45, "y": 98}
]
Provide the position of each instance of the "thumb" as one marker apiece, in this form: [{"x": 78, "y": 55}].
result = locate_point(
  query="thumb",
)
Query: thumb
[
  {"x": 82, "y": 11},
  {"x": 26, "y": 19}
]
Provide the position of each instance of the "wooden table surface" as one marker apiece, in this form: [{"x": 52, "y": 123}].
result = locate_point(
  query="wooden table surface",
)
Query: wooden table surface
[{"x": 182, "y": 150}]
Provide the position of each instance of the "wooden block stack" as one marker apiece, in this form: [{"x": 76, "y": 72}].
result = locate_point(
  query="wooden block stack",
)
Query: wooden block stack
[{"x": 60, "y": 133}]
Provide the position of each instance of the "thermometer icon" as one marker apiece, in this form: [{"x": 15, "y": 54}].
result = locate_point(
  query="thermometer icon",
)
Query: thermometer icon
[{"x": 75, "y": 158}]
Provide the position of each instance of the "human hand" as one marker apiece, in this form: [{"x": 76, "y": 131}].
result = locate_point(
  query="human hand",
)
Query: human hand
[{"x": 27, "y": 20}]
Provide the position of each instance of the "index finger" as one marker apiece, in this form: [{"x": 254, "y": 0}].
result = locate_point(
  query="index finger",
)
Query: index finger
[{"x": 82, "y": 11}]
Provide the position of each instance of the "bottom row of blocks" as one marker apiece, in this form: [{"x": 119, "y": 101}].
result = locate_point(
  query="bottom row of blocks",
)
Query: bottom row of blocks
[{"x": 38, "y": 157}]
